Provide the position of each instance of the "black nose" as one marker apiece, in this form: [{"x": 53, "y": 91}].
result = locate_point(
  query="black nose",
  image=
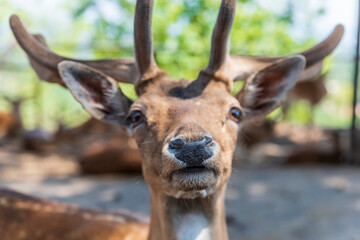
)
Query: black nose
[{"x": 192, "y": 153}]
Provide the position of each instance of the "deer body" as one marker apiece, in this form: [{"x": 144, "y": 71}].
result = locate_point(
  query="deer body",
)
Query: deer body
[
  {"x": 313, "y": 91},
  {"x": 185, "y": 130},
  {"x": 25, "y": 217},
  {"x": 11, "y": 123}
]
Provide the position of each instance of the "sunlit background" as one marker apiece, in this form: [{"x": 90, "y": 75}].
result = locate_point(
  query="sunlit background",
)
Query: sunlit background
[{"x": 100, "y": 29}]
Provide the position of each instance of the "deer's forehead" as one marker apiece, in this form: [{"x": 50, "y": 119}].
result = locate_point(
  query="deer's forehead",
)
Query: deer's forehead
[{"x": 208, "y": 103}]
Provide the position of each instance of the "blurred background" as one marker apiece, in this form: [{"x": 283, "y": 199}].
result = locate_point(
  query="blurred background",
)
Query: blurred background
[
  {"x": 182, "y": 29},
  {"x": 50, "y": 146}
]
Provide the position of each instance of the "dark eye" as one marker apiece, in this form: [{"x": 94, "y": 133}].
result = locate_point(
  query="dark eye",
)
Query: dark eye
[
  {"x": 136, "y": 117},
  {"x": 235, "y": 114}
]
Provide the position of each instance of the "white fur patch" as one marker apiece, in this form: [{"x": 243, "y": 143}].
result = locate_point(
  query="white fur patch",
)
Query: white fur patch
[
  {"x": 194, "y": 194},
  {"x": 193, "y": 226}
]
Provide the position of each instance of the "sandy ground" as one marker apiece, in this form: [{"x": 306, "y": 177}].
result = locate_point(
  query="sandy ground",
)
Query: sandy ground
[{"x": 276, "y": 203}]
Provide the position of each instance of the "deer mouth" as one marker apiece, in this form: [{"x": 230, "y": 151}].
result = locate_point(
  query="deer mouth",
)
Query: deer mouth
[
  {"x": 194, "y": 169},
  {"x": 194, "y": 178},
  {"x": 201, "y": 169}
]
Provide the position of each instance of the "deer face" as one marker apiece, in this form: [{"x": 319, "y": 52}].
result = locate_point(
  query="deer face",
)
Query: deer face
[
  {"x": 186, "y": 143},
  {"x": 186, "y": 134},
  {"x": 185, "y": 130}
]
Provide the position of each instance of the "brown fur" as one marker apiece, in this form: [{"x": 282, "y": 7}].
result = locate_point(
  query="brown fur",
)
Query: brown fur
[
  {"x": 29, "y": 218},
  {"x": 111, "y": 156},
  {"x": 7, "y": 124},
  {"x": 312, "y": 91},
  {"x": 10, "y": 122}
]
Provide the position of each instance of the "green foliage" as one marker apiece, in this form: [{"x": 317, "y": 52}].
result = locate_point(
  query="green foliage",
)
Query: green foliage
[
  {"x": 182, "y": 32},
  {"x": 300, "y": 113},
  {"x": 182, "y": 36}
]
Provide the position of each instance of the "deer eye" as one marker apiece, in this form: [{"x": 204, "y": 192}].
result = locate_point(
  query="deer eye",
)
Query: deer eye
[
  {"x": 136, "y": 118},
  {"x": 235, "y": 114}
]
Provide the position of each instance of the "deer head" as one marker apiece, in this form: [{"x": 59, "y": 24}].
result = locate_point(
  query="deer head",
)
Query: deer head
[{"x": 185, "y": 130}]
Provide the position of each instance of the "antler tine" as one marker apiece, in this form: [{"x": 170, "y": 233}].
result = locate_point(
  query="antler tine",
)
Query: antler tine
[
  {"x": 143, "y": 46},
  {"x": 324, "y": 48},
  {"x": 242, "y": 67},
  {"x": 220, "y": 37},
  {"x": 30, "y": 45},
  {"x": 45, "y": 62}
]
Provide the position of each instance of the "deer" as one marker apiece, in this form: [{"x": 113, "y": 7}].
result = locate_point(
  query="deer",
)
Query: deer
[
  {"x": 7, "y": 123},
  {"x": 10, "y": 122},
  {"x": 186, "y": 131},
  {"x": 100, "y": 148},
  {"x": 312, "y": 90}
]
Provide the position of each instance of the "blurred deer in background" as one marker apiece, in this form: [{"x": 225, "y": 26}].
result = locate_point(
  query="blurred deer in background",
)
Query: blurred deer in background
[
  {"x": 312, "y": 91},
  {"x": 12, "y": 127},
  {"x": 185, "y": 130},
  {"x": 255, "y": 132},
  {"x": 100, "y": 148},
  {"x": 10, "y": 122}
]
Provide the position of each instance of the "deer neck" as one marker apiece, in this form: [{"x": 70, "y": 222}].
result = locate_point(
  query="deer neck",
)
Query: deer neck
[{"x": 188, "y": 219}]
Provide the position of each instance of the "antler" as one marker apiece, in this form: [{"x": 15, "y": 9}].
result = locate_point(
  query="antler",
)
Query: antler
[
  {"x": 228, "y": 68},
  {"x": 144, "y": 53},
  {"x": 243, "y": 66},
  {"x": 220, "y": 37},
  {"x": 144, "y": 68},
  {"x": 45, "y": 61},
  {"x": 221, "y": 66},
  {"x": 143, "y": 47},
  {"x": 219, "y": 53}
]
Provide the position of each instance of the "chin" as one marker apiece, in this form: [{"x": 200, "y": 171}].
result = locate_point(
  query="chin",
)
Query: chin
[
  {"x": 194, "y": 194},
  {"x": 193, "y": 183}
]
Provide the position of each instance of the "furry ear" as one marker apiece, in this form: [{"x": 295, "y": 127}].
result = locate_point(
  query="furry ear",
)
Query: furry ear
[
  {"x": 99, "y": 94},
  {"x": 264, "y": 91}
]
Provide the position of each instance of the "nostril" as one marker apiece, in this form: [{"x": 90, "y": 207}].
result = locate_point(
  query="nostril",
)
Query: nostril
[
  {"x": 176, "y": 143},
  {"x": 207, "y": 140}
]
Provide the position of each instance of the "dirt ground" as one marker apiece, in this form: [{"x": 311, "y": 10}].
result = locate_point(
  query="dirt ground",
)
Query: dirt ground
[{"x": 272, "y": 203}]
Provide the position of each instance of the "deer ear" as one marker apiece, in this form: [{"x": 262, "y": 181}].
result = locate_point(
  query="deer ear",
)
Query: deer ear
[
  {"x": 264, "y": 91},
  {"x": 99, "y": 94}
]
